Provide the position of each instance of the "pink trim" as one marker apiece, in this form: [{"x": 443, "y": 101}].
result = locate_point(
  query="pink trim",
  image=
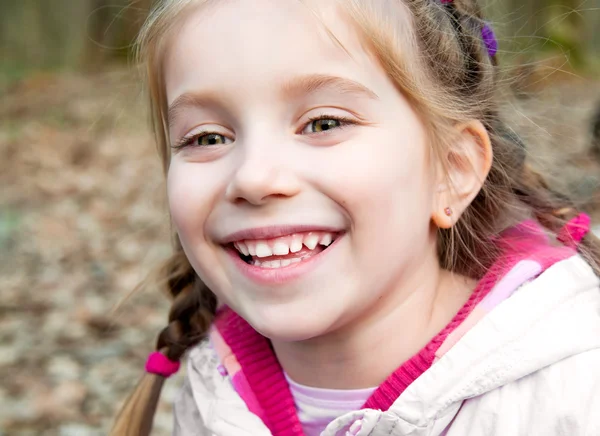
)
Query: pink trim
[
  {"x": 242, "y": 387},
  {"x": 456, "y": 335},
  {"x": 263, "y": 373},
  {"x": 228, "y": 360},
  {"x": 159, "y": 364},
  {"x": 231, "y": 367},
  {"x": 523, "y": 271},
  {"x": 575, "y": 230}
]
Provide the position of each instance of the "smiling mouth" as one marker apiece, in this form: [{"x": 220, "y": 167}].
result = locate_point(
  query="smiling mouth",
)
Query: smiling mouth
[{"x": 283, "y": 251}]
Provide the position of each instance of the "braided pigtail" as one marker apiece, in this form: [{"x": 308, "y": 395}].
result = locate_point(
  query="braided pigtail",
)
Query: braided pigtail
[
  {"x": 193, "y": 304},
  {"x": 555, "y": 211},
  {"x": 192, "y": 311}
]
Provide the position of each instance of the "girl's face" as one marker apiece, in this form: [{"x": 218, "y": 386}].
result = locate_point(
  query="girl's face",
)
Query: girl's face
[{"x": 290, "y": 142}]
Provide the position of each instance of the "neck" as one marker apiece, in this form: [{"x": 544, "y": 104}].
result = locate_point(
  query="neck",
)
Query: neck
[{"x": 366, "y": 350}]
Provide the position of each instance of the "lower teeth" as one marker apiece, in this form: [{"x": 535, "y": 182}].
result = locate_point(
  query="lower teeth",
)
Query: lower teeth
[{"x": 277, "y": 263}]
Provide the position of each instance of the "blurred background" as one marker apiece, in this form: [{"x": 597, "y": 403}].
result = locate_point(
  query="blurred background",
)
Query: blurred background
[{"x": 82, "y": 213}]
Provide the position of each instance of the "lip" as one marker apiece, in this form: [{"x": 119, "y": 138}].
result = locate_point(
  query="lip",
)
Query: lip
[
  {"x": 275, "y": 276},
  {"x": 274, "y": 232}
]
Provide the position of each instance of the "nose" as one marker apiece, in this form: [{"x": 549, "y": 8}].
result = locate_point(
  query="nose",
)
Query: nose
[{"x": 262, "y": 175}]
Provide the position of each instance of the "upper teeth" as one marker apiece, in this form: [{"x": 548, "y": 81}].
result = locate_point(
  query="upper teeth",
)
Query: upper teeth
[{"x": 283, "y": 245}]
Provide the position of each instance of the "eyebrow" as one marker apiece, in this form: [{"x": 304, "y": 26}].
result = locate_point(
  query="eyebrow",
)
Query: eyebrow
[
  {"x": 309, "y": 84},
  {"x": 190, "y": 99},
  {"x": 292, "y": 88}
]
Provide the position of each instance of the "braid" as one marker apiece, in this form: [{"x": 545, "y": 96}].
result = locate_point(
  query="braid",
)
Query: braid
[
  {"x": 553, "y": 210},
  {"x": 192, "y": 312},
  {"x": 193, "y": 304}
]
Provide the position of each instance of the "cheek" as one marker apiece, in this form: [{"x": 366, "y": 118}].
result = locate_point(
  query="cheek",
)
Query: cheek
[
  {"x": 192, "y": 190},
  {"x": 391, "y": 178},
  {"x": 387, "y": 194},
  {"x": 189, "y": 197}
]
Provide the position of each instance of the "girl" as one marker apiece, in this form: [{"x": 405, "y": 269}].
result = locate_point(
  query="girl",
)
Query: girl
[{"x": 361, "y": 248}]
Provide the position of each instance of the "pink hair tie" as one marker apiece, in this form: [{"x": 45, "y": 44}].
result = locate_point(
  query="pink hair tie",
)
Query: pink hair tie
[
  {"x": 575, "y": 230},
  {"x": 160, "y": 364}
]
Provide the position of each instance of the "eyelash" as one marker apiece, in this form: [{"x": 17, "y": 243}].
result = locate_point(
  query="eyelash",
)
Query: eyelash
[
  {"x": 187, "y": 141},
  {"x": 344, "y": 122}
]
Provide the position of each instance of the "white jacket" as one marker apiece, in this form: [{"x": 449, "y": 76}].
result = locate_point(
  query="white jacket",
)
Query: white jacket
[{"x": 530, "y": 367}]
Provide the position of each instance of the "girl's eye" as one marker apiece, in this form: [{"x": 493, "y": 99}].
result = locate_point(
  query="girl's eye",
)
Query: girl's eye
[
  {"x": 202, "y": 140},
  {"x": 210, "y": 139},
  {"x": 323, "y": 124}
]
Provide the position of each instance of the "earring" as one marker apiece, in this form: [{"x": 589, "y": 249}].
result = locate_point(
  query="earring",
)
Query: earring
[{"x": 441, "y": 222}]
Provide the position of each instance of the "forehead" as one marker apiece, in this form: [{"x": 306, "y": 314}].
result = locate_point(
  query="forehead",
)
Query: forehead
[{"x": 249, "y": 47}]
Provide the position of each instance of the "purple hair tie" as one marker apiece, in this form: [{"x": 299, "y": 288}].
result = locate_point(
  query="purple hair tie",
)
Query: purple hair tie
[
  {"x": 487, "y": 33},
  {"x": 489, "y": 38}
]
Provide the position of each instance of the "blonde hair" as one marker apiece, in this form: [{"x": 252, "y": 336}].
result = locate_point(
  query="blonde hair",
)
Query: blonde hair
[{"x": 436, "y": 55}]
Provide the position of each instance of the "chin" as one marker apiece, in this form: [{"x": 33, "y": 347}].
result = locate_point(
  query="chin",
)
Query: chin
[{"x": 288, "y": 325}]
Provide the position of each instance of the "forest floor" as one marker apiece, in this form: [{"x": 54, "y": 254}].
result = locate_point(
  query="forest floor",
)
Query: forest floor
[{"x": 83, "y": 219}]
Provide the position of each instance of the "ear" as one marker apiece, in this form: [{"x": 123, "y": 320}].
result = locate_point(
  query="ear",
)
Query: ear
[{"x": 467, "y": 164}]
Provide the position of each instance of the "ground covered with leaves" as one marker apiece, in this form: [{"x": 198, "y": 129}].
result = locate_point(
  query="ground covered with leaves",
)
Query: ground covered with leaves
[{"x": 83, "y": 220}]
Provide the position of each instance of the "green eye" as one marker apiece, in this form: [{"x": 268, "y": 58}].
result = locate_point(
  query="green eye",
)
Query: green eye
[
  {"x": 324, "y": 125},
  {"x": 210, "y": 139}
]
